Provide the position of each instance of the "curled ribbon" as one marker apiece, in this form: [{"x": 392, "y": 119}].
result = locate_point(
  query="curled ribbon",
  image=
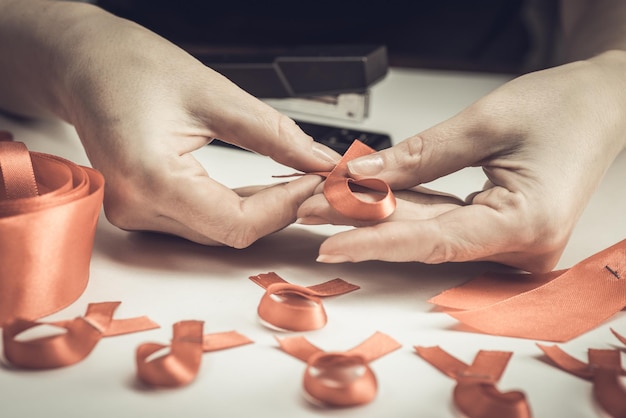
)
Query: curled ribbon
[
  {"x": 338, "y": 191},
  {"x": 543, "y": 306},
  {"x": 79, "y": 339},
  {"x": 603, "y": 369},
  {"x": 290, "y": 307},
  {"x": 340, "y": 379},
  {"x": 180, "y": 366},
  {"x": 48, "y": 212},
  {"x": 475, "y": 393}
]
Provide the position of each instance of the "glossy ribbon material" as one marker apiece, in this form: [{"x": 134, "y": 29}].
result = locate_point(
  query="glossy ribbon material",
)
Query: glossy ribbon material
[
  {"x": 475, "y": 393},
  {"x": 289, "y": 307},
  {"x": 79, "y": 339},
  {"x": 338, "y": 189},
  {"x": 48, "y": 212},
  {"x": 603, "y": 369},
  {"x": 340, "y": 379},
  {"x": 180, "y": 366},
  {"x": 543, "y": 306}
]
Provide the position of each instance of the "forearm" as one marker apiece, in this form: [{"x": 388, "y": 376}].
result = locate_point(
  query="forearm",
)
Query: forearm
[{"x": 45, "y": 46}]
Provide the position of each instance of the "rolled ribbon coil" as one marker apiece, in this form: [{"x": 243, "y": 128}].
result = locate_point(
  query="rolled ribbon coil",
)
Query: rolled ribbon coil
[{"x": 49, "y": 209}]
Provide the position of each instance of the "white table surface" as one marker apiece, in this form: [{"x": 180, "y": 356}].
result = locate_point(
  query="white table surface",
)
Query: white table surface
[{"x": 171, "y": 279}]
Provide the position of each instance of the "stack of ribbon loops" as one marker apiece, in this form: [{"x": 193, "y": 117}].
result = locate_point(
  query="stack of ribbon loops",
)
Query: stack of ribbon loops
[
  {"x": 340, "y": 379},
  {"x": 49, "y": 208}
]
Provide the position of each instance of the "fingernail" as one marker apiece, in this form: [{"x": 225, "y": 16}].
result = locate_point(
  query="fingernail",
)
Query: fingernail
[
  {"x": 333, "y": 258},
  {"x": 325, "y": 154},
  {"x": 366, "y": 166},
  {"x": 310, "y": 220}
]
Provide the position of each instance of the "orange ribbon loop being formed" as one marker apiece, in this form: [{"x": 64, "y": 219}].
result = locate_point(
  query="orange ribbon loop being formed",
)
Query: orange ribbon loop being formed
[
  {"x": 543, "y": 306},
  {"x": 180, "y": 366},
  {"x": 290, "y": 307},
  {"x": 339, "y": 194},
  {"x": 603, "y": 369},
  {"x": 80, "y": 337},
  {"x": 475, "y": 393},
  {"x": 48, "y": 212},
  {"x": 340, "y": 379}
]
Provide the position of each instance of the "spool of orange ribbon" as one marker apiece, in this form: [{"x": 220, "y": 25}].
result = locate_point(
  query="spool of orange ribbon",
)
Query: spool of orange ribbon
[{"x": 49, "y": 208}]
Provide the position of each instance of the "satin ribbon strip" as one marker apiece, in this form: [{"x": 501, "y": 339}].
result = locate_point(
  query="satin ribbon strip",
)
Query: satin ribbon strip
[
  {"x": 340, "y": 379},
  {"x": 475, "y": 393},
  {"x": 603, "y": 369},
  {"x": 557, "y": 306},
  {"x": 338, "y": 191},
  {"x": 79, "y": 339},
  {"x": 180, "y": 365},
  {"x": 49, "y": 208},
  {"x": 289, "y": 307}
]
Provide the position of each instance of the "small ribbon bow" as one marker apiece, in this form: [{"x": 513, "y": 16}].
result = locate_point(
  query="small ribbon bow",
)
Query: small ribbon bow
[
  {"x": 475, "y": 393},
  {"x": 603, "y": 369},
  {"x": 180, "y": 365},
  {"x": 290, "y": 307},
  {"x": 81, "y": 336},
  {"x": 340, "y": 379}
]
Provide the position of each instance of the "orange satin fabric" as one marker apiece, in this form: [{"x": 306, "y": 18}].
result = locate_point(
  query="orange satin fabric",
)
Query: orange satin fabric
[
  {"x": 603, "y": 369},
  {"x": 79, "y": 339},
  {"x": 49, "y": 208},
  {"x": 556, "y": 306},
  {"x": 180, "y": 365},
  {"x": 340, "y": 379},
  {"x": 338, "y": 192},
  {"x": 475, "y": 393},
  {"x": 290, "y": 307}
]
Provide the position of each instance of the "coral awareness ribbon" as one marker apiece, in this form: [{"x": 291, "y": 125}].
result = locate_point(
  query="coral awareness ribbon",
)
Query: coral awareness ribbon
[
  {"x": 49, "y": 208},
  {"x": 475, "y": 393},
  {"x": 289, "y": 307},
  {"x": 180, "y": 365},
  {"x": 340, "y": 379},
  {"x": 556, "y": 306},
  {"x": 79, "y": 339},
  {"x": 603, "y": 369},
  {"x": 339, "y": 193}
]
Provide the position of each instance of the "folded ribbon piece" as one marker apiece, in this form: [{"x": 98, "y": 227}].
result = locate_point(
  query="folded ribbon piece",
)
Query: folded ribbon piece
[
  {"x": 79, "y": 339},
  {"x": 340, "y": 379},
  {"x": 543, "y": 306},
  {"x": 289, "y": 307},
  {"x": 48, "y": 212},
  {"x": 180, "y": 366},
  {"x": 475, "y": 393},
  {"x": 603, "y": 369},
  {"x": 339, "y": 194}
]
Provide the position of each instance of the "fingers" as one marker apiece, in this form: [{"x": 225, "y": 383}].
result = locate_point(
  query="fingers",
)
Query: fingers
[
  {"x": 243, "y": 120},
  {"x": 410, "y": 205},
  {"x": 206, "y": 212},
  {"x": 462, "y": 141},
  {"x": 468, "y": 233}
]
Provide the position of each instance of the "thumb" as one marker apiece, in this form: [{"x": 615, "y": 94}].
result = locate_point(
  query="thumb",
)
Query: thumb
[{"x": 443, "y": 149}]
